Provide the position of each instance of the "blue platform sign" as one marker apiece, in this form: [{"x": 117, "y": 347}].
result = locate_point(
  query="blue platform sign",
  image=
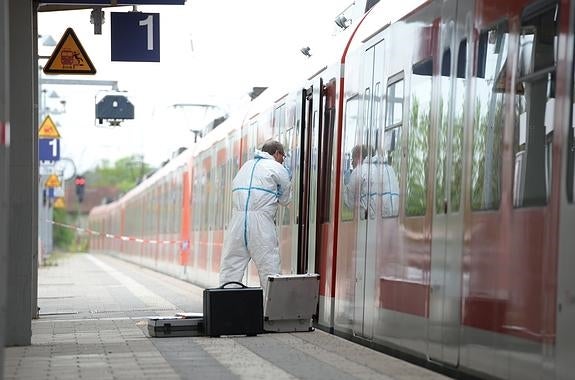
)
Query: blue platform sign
[
  {"x": 135, "y": 37},
  {"x": 49, "y": 149}
]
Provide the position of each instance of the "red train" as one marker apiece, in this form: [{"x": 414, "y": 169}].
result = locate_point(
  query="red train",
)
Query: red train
[{"x": 469, "y": 105}]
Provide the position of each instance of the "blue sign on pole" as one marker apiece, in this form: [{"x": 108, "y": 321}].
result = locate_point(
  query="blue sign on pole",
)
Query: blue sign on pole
[
  {"x": 135, "y": 37},
  {"x": 49, "y": 149}
]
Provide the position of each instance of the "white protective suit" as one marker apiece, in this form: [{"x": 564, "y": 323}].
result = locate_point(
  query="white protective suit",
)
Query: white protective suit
[
  {"x": 380, "y": 179},
  {"x": 260, "y": 185}
]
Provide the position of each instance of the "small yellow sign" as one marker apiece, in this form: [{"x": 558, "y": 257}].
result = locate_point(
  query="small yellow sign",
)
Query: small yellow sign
[
  {"x": 59, "y": 203},
  {"x": 52, "y": 181},
  {"x": 48, "y": 129},
  {"x": 69, "y": 57}
]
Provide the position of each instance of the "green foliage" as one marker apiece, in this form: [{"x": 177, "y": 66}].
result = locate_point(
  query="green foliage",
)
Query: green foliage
[
  {"x": 63, "y": 236},
  {"x": 487, "y": 155},
  {"x": 417, "y": 159},
  {"x": 124, "y": 174}
]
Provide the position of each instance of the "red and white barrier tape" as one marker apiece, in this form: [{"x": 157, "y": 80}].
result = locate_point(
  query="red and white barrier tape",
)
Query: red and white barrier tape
[{"x": 183, "y": 243}]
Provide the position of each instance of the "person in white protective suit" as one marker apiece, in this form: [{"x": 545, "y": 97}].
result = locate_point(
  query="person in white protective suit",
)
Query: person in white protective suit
[{"x": 260, "y": 185}]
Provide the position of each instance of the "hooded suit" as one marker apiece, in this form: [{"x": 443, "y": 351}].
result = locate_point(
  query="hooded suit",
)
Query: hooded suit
[{"x": 259, "y": 186}]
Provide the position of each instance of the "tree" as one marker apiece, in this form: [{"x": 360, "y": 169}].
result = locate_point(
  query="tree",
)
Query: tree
[{"x": 124, "y": 174}]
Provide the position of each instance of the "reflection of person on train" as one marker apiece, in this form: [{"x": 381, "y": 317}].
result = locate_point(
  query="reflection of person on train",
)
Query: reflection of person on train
[
  {"x": 374, "y": 179},
  {"x": 356, "y": 179},
  {"x": 260, "y": 185},
  {"x": 389, "y": 191}
]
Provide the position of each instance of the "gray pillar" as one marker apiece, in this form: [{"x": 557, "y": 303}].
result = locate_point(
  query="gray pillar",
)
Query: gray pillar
[
  {"x": 4, "y": 175},
  {"x": 23, "y": 178}
]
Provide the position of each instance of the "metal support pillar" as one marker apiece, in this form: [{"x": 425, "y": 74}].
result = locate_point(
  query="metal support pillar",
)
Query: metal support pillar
[
  {"x": 23, "y": 178},
  {"x": 4, "y": 167}
]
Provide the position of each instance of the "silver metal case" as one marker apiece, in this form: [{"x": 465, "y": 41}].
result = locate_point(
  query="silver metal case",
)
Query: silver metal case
[
  {"x": 181, "y": 324},
  {"x": 291, "y": 302}
]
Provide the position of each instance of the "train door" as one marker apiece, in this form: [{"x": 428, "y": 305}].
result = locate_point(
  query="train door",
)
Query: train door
[
  {"x": 447, "y": 224},
  {"x": 312, "y": 101},
  {"x": 365, "y": 282}
]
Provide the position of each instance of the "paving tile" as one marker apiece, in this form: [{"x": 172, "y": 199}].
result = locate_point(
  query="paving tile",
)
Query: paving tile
[{"x": 93, "y": 326}]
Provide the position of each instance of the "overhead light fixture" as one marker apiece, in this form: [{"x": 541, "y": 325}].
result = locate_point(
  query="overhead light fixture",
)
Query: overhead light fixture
[
  {"x": 305, "y": 51},
  {"x": 342, "y": 21}
]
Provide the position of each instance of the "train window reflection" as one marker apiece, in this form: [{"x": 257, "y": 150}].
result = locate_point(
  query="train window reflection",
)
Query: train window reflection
[
  {"x": 350, "y": 134},
  {"x": 534, "y": 104},
  {"x": 418, "y": 145},
  {"x": 286, "y": 217},
  {"x": 488, "y": 125},
  {"x": 391, "y": 148}
]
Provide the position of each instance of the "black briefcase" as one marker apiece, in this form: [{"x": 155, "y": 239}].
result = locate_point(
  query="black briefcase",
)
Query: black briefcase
[{"x": 233, "y": 311}]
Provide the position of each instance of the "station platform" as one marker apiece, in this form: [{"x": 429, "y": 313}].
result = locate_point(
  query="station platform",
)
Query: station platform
[{"x": 93, "y": 325}]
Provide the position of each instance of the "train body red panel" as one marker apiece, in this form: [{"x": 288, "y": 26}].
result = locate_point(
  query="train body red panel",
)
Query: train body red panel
[{"x": 451, "y": 238}]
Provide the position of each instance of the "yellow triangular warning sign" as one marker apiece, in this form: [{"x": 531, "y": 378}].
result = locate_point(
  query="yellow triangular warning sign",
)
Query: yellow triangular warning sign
[
  {"x": 69, "y": 57},
  {"x": 52, "y": 181},
  {"x": 48, "y": 129},
  {"x": 59, "y": 203}
]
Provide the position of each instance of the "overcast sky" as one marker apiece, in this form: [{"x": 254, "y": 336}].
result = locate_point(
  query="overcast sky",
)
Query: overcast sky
[{"x": 211, "y": 52}]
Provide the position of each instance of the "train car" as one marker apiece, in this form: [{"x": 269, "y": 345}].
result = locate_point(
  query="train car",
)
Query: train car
[{"x": 432, "y": 158}]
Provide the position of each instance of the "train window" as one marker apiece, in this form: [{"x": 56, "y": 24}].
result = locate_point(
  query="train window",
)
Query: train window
[
  {"x": 418, "y": 141},
  {"x": 350, "y": 135},
  {"x": 489, "y": 120},
  {"x": 327, "y": 132},
  {"x": 534, "y": 107},
  {"x": 314, "y": 165},
  {"x": 212, "y": 198},
  {"x": 218, "y": 201},
  {"x": 227, "y": 191},
  {"x": 366, "y": 114},
  {"x": 196, "y": 209},
  {"x": 392, "y": 145},
  {"x": 279, "y": 120},
  {"x": 286, "y": 217}
]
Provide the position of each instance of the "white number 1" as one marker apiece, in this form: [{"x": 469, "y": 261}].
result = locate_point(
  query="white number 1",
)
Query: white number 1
[
  {"x": 54, "y": 145},
  {"x": 149, "y": 23}
]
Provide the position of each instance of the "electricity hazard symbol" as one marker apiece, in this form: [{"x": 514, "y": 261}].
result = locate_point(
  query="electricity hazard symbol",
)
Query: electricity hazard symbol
[
  {"x": 52, "y": 181},
  {"x": 48, "y": 129},
  {"x": 69, "y": 57}
]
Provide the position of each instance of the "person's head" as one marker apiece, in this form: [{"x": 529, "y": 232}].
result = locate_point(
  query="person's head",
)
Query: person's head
[
  {"x": 358, "y": 154},
  {"x": 276, "y": 149}
]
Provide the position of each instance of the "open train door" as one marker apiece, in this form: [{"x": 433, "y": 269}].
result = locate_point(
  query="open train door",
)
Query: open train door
[
  {"x": 311, "y": 120},
  {"x": 450, "y": 102}
]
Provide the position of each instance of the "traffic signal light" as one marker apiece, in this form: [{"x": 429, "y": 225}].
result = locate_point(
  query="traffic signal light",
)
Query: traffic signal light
[{"x": 80, "y": 182}]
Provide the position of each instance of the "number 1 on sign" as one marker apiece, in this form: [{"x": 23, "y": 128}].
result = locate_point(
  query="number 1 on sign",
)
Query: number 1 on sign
[
  {"x": 149, "y": 24},
  {"x": 54, "y": 144}
]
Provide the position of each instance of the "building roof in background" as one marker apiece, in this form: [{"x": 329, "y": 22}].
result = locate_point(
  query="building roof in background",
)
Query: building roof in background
[{"x": 94, "y": 196}]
